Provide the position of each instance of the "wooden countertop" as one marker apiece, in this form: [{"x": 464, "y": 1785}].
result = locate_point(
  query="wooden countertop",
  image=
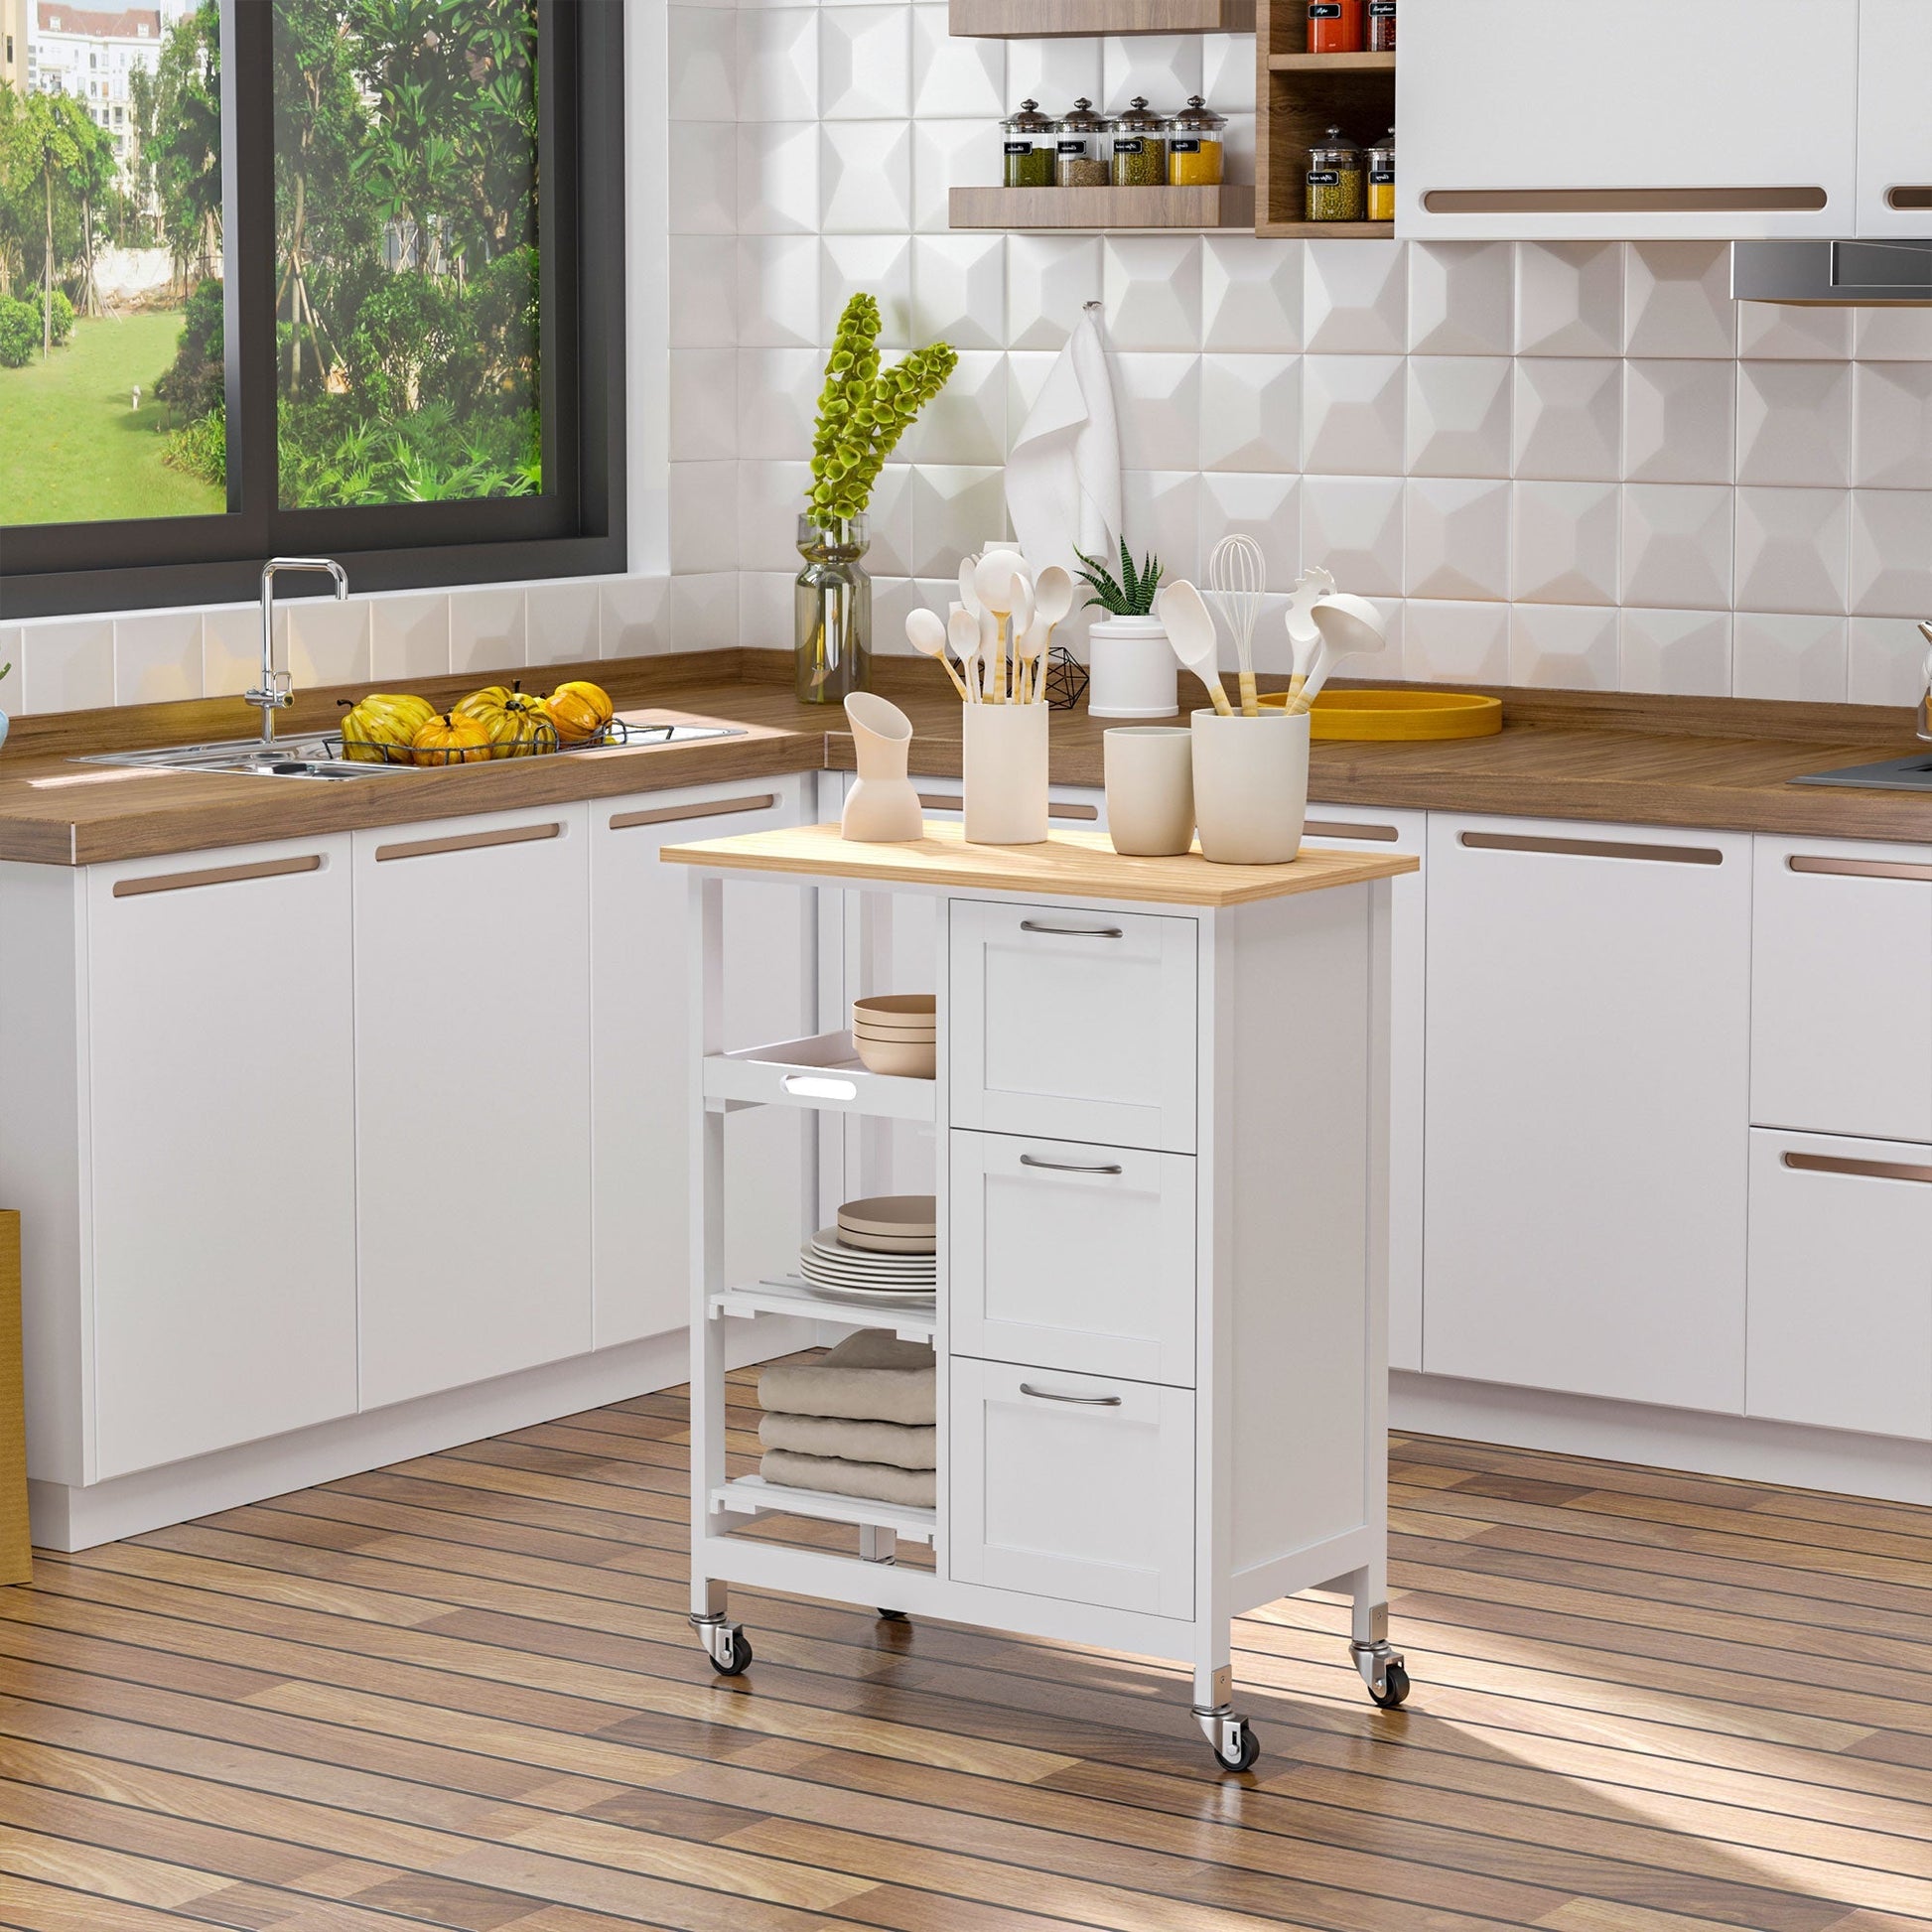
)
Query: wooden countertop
[
  {"x": 1068, "y": 865},
  {"x": 1697, "y": 763}
]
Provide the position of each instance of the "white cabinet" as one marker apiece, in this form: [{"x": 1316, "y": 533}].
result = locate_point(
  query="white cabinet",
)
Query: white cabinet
[
  {"x": 1840, "y": 1271},
  {"x": 218, "y": 1006},
  {"x": 1643, "y": 118},
  {"x": 1895, "y": 126},
  {"x": 641, "y": 1073},
  {"x": 473, "y": 1097},
  {"x": 1588, "y": 1075}
]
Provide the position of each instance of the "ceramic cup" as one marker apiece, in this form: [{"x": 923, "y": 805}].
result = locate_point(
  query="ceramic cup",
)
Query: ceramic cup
[
  {"x": 1005, "y": 773},
  {"x": 1131, "y": 669},
  {"x": 1149, "y": 789},
  {"x": 1251, "y": 786}
]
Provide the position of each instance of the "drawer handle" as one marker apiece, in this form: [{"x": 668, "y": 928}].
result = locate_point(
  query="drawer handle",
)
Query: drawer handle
[
  {"x": 182, "y": 881},
  {"x": 1859, "y": 868},
  {"x": 818, "y": 1086},
  {"x": 677, "y": 815},
  {"x": 1338, "y": 829},
  {"x": 1863, "y": 1169},
  {"x": 1909, "y": 197},
  {"x": 1071, "y": 1166},
  {"x": 1669, "y": 855},
  {"x": 1074, "y": 931},
  {"x": 1625, "y": 200},
  {"x": 944, "y": 801},
  {"x": 1082, "y": 1401},
  {"x": 468, "y": 842}
]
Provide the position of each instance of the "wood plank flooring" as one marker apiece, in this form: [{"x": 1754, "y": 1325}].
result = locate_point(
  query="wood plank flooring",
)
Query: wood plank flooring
[{"x": 461, "y": 1692}]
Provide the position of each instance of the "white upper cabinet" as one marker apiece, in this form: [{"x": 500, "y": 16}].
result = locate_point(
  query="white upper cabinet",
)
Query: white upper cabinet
[
  {"x": 1894, "y": 117},
  {"x": 1645, "y": 118}
]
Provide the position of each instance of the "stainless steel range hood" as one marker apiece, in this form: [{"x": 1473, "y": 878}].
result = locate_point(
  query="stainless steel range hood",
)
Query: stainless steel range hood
[{"x": 1834, "y": 274}]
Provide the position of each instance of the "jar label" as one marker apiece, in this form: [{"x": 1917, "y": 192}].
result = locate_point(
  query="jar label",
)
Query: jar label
[
  {"x": 1073, "y": 147},
  {"x": 1324, "y": 178},
  {"x": 1184, "y": 147},
  {"x": 1382, "y": 177},
  {"x": 1135, "y": 146},
  {"x": 1381, "y": 9},
  {"x": 1019, "y": 147},
  {"x": 1324, "y": 9}
]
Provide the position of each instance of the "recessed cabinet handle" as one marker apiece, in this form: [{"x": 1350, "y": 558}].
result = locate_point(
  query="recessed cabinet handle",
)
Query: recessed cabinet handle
[
  {"x": 1860, "y": 1169},
  {"x": 1337, "y": 829},
  {"x": 184, "y": 882},
  {"x": 1082, "y": 1401},
  {"x": 1909, "y": 197},
  {"x": 1074, "y": 931},
  {"x": 1859, "y": 868},
  {"x": 1668, "y": 855},
  {"x": 1071, "y": 1166},
  {"x": 1797, "y": 199},
  {"x": 468, "y": 842},
  {"x": 698, "y": 808}
]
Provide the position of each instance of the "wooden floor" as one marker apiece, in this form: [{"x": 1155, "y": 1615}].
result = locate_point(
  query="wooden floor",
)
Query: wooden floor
[{"x": 461, "y": 1692}]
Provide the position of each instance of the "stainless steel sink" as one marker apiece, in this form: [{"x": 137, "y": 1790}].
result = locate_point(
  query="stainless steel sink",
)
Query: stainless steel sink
[
  {"x": 1912, "y": 774},
  {"x": 315, "y": 755}
]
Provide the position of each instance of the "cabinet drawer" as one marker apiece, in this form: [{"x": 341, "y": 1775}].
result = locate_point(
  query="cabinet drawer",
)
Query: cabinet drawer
[
  {"x": 1078, "y": 1025},
  {"x": 1841, "y": 989},
  {"x": 1073, "y": 1486},
  {"x": 1840, "y": 1284},
  {"x": 1073, "y": 1256}
]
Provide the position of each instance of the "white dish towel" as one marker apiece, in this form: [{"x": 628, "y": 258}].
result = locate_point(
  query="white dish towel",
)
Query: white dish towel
[{"x": 1063, "y": 474}]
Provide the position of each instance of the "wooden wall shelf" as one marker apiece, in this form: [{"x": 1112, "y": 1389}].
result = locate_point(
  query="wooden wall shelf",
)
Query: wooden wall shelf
[
  {"x": 1096, "y": 210},
  {"x": 1331, "y": 63},
  {"x": 1298, "y": 96},
  {"x": 1070, "y": 19},
  {"x": 1327, "y": 230}
]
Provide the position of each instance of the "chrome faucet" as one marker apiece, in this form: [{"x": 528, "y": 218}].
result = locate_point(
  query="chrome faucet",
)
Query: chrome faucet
[
  {"x": 277, "y": 688},
  {"x": 1923, "y": 719}
]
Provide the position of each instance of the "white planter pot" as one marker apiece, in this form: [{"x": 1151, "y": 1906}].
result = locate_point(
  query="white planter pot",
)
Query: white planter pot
[
  {"x": 1251, "y": 786},
  {"x": 1132, "y": 669},
  {"x": 1005, "y": 773},
  {"x": 1149, "y": 789}
]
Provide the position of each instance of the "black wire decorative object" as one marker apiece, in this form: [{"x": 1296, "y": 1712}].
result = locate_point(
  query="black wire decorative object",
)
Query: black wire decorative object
[{"x": 1066, "y": 679}]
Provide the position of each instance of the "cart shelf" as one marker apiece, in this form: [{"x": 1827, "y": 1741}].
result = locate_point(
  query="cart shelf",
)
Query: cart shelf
[
  {"x": 824, "y": 1071},
  {"x": 753, "y": 1495},
  {"x": 787, "y": 1294}
]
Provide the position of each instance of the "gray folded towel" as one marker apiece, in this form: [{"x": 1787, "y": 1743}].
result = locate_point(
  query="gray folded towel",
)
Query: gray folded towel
[
  {"x": 870, "y": 1376},
  {"x": 831, "y": 1475},
  {"x": 855, "y": 1442}
]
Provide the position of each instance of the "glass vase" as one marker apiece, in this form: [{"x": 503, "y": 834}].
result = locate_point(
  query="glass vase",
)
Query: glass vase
[{"x": 832, "y": 603}]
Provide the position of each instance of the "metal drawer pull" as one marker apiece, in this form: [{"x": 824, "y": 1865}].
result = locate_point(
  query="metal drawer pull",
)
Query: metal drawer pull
[
  {"x": 1074, "y": 931},
  {"x": 1085, "y": 1401},
  {"x": 1863, "y": 1170},
  {"x": 1318, "y": 829},
  {"x": 180, "y": 881},
  {"x": 1859, "y": 867},
  {"x": 1669, "y": 855},
  {"x": 676, "y": 814},
  {"x": 1070, "y": 1166},
  {"x": 468, "y": 842}
]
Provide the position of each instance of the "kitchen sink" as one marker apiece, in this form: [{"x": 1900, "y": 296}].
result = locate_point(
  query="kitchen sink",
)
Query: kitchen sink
[{"x": 1912, "y": 774}]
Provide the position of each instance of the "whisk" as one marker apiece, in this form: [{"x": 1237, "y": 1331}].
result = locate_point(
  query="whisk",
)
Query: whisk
[{"x": 1238, "y": 573}]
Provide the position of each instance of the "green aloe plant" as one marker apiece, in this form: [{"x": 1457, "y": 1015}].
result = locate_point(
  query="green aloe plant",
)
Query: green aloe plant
[{"x": 1131, "y": 595}]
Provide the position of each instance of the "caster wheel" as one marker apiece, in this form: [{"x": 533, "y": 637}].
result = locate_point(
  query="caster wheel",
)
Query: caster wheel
[
  {"x": 1397, "y": 1680},
  {"x": 893, "y": 1616},
  {"x": 740, "y": 1655},
  {"x": 1247, "y": 1751}
]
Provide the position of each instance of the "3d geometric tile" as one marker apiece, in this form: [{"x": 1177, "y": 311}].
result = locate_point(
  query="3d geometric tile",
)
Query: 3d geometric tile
[
  {"x": 777, "y": 177},
  {"x": 1563, "y": 646},
  {"x": 1686, "y": 654},
  {"x": 1227, "y": 75},
  {"x": 1888, "y": 661},
  {"x": 881, "y": 265},
  {"x": 1892, "y": 425},
  {"x": 1027, "y": 374},
  {"x": 1151, "y": 288},
  {"x": 69, "y": 666},
  {"x": 948, "y": 155},
  {"x": 1772, "y": 330},
  {"x": 1569, "y": 298},
  {"x": 778, "y": 293},
  {"x": 703, "y": 178},
  {"x": 703, "y": 404},
  {"x": 1456, "y": 643},
  {"x": 704, "y": 271},
  {"x": 1677, "y": 299},
  {"x": 1161, "y": 509},
  {"x": 1458, "y": 416},
  {"x": 893, "y": 600},
  {"x": 1355, "y": 298},
  {"x": 490, "y": 631},
  {"x": 954, "y": 510},
  {"x": 1891, "y": 553},
  {"x": 1784, "y": 656},
  {"x": 1679, "y": 421},
  {"x": 1794, "y": 423},
  {"x": 231, "y": 651},
  {"x": 157, "y": 656},
  {"x": 1569, "y": 418},
  {"x": 1166, "y": 67},
  {"x": 1566, "y": 543},
  {"x": 1793, "y": 550},
  {"x": 1251, "y": 293},
  {"x": 778, "y": 63},
  {"x": 1460, "y": 297},
  {"x": 954, "y": 79},
  {"x": 326, "y": 643},
  {"x": 409, "y": 637},
  {"x": 704, "y": 523},
  {"x": 959, "y": 289},
  {"x": 777, "y": 392},
  {"x": 1353, "y": 409},
  {"x": 865, "y": 62},
  {"x": 867, "y": 177},
  {"x": 1050, "y": 280},
  {"x": 1250, "y": 412},
  {"x": 1353, "y": 526},
  {"x": 967, "y": 421},
  {"x": 700, "y": 64},
  {"x": 1894, "y": 335},
  {"x": 760, "y": 614},
  {"x": 1264, "y": 508},
  {"x": 633, "y": 616},
  {"x": 1055, "y": 73},
  {"x": 1676, "y": 547},
  {"x": 1457, "y": 541},
  {"x": 701, "y": 612}
]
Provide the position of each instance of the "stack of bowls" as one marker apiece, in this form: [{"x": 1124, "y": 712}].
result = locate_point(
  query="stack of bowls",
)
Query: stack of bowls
[{"x": 897, "y": 1033}]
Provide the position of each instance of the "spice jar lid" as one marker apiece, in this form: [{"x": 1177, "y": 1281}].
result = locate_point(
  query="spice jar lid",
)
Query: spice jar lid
[
  {"x": 1029, "y": 120},
  {"x": 1335, "y": 147},
  {"x": 1199, "y": 118},
  {"x": 1138, "y": 120},
  {"x": 1384, "y": 146},
  {"x": 1082, "y": 119}
]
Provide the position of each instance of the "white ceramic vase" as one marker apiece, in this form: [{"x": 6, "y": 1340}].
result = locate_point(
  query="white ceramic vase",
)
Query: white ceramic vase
[
  {"x": 1150, "y": 779},
  {"x": 1131, "y": 669},
  {"x": 881, "y": 808},
  {"x": 1251, "y": 786},
  {"x": 1005, "y": 773}
]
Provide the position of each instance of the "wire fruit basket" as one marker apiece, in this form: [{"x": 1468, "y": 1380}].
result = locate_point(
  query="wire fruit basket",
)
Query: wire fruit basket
[{"x": 545, "y": 743}]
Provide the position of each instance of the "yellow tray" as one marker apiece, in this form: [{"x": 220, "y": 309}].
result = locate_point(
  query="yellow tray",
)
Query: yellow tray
[{"x": 1399, "y": 714}]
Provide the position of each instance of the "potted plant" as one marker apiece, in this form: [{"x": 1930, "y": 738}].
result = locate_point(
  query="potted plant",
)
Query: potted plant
[
  {"x": 863, "y": 412},
  {"x": 1132, "y": 667}
]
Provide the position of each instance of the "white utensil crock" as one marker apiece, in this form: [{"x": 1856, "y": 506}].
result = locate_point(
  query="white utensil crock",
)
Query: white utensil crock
[
  {"x": 881, "y": 808},
  {"x": 1251, "y": 786},
  {"x": 1005, "y": 773},
  {"x": 1149, "y": 789},
  {"x": 1132, "y": 669}
]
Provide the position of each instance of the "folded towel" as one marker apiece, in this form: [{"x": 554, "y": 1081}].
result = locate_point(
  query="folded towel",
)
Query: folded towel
[
  {"x": 855, "y": 1442},
  {"x": 870, "y": 1376},
  {"x": 832, "y": 1477}
]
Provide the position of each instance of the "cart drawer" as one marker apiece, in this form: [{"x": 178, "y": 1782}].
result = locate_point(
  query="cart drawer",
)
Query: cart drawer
[
  {"x": 1073, "y": 1256},
  {"x": 1073, "y": 1486}
]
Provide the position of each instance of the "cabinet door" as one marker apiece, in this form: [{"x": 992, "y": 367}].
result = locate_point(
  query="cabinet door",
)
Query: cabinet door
[
  {"x": 473, "y": 1098},
  {"x": 1840, "y": 1310},
  {"x": 1588, "y": 1064},
  {"x": 1645, "y": 118},
  {"x": 641, "y": 1074},
  {"x": 219, "y": 1012},
  {"x": 1894, "y": 128}
]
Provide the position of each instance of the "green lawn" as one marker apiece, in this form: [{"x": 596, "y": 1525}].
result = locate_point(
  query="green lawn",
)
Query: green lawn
[{"x": 70, "y": 449}]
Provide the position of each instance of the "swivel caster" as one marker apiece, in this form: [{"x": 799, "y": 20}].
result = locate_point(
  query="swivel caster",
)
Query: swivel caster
[
  {"x": 726, "y": 1644},
  {"x": 1232, "y": 1740},
  {"x": 893, "y": 1616},
  {"x": 1382, "y": 1670}
]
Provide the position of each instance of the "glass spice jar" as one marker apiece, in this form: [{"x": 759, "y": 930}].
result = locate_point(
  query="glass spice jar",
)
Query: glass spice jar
[
  {"x": 1336, "y": 189},
  {"x": 1381, "y": 26},
  {"x": 1082, "y": 160},
  {"x": 1140, "y": 157},
  {"x": 1381, "y": 178},
  {"x": 1195, "y": 147},
  {"x": 1335, "y": 27},
  {"x": 1029, "y": 137}
]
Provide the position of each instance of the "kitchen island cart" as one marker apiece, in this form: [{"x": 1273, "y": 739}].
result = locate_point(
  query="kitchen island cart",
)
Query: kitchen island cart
[{"x": 1160, "y": 1121}]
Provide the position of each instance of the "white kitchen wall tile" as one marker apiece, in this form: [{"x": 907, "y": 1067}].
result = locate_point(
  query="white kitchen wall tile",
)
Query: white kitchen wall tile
[
  {"x": 1894, "y": 335},
  {"x": 1050, "y": 279},
  {"x": 778, "y": 63},
  {"x": 1353, "y": 525},
  {"x": 563, "y": 619},
  {"x": 1461, "y": 296},
  {"x": 1238, "y": 147},
  {"x": 703, "y": 404},
  {"x": 1151, "y": 286},
  {"x": 948, "y": 155},
  {"x": 1684, "y": 653},
  {"x": 1891, "y": 553},
  {"x": 953, "y": 511},
  {"x": 704, "y": 521},
  {"x": 866, "y": 178},
  {"x": 967, "y": 421},
  {"x": 1352, "y": 412},
  {"x": 1457, "y": 537},
  {"x": 1458, "y": 416},
  {"x": 1793, "y": 550},
  {"x": 1891, "y": 438},
  {"x": 1563, "y": 646},
  {"x": 409, "y": 637},
  {"x": 776, "y": 393},
  {"x": 880, "y": 266},
  {"x": 65, "y": 666},
  {"x": 1676, "y": 547},
  {"x": 1569, "y": 418},
  {"x": 778, "y": 176},
  {"x": 1166, "y": 67},
  {"x": 700, "y": 64},
  {"x": 1679, "y": 421},
  {"x": 703, "y": 613},
  {"x": 1770, "y": 330},
  {"x": 1888, "y": 662},
  {"x": 1158, "y": 400},
  {"x": 959, "y": 289},
  {"x": 1027, "y": 374},
  {"x": 1569, "y": 298},
  {"x": 231, "y": 652},
  {"x": 704, "y": 291},
  {"x": 1794, "y": 423},
  {"x": 1251, "y": 293},
  {"x": 893, "y": 600},
  {"x": 865, "y": 62},
  {"x": 890, "y": 519},
  {"x": 489, "y": 630},
  {"x": 1161, "y": 513},
  {"x": 1355, "y": 298},
  {"x": 1053, "y": 72},
  {"x": 779, "y": 293},
  {"x": 1250, "y": 412},
  {"x": 325, "y": 642},
  {"x": 764, "y": 610},
  {"x": 702, "y": 184},
  {"x": 1456, "y": 643},
  {"x": 1785, "y": 656},
  {"x": 1677, "y": 300},
  {"x": 12, "y": 654},
  {"x": 1227, "y": 72},
  {"x": 633, "y": 616},
  {"x": 954, "y": 79},
  {"x": 1263, "y": 506},
  {"x": 1565, "y": 543},
  {"x": 156, "y": 658},
  {"x": 765, "y": 516}
]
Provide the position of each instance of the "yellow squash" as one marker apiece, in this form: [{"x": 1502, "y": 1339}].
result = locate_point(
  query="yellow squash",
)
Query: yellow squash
[
  {"x": 383, "y": 726},
  {"x": 579, "y": 710},
  {"x": 452, "y": 739}
]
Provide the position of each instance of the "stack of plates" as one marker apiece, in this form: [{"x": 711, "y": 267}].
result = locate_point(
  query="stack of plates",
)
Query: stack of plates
[
  {"x": 883, "y": 1248},
  {"x": 897, "y": 1033}
]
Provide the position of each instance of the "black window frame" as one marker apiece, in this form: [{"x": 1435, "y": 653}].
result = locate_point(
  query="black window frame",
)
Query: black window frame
[{"x": 576, "y": 528}]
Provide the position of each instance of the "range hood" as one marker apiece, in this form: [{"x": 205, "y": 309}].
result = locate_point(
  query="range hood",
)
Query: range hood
[{"x": 1833, "y": 274}]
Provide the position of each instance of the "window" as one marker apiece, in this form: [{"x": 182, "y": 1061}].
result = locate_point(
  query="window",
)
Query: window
[{"x": 390, "y": 237}]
